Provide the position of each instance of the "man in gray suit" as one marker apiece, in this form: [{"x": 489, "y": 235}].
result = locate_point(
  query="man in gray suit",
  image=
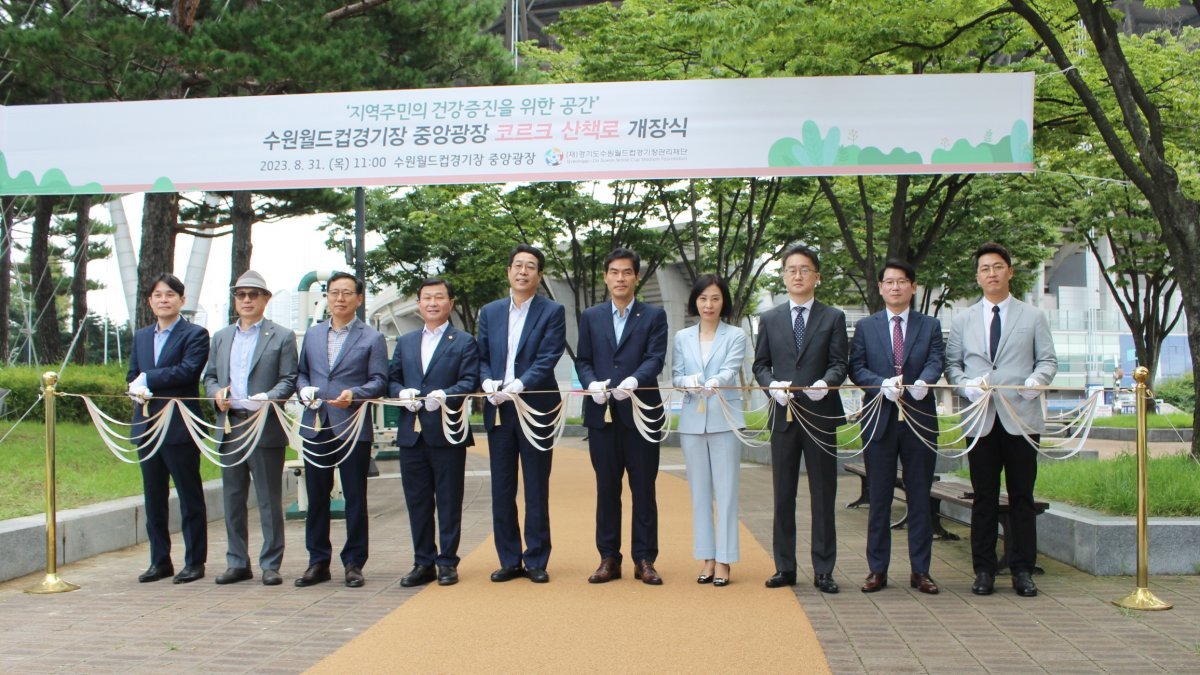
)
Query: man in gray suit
[
  {"x": 251, "y": 361},
  {"x": 343, "y": 362},
  {"x": 1002, "y": 341},
  {"x": 800, "y": 353}
]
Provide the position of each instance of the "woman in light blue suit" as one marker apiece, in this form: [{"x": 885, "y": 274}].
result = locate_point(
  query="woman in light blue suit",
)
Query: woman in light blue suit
[{"x": 707, "y": 356}]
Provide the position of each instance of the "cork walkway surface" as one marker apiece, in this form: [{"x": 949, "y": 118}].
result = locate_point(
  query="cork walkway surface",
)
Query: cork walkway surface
[{"x": 114, "y": 624}]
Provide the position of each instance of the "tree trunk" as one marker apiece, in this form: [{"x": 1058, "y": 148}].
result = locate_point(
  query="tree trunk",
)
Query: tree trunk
[
  {"x": 160, "y": 218},
  {"x": 79, "y": 306},
  {"x": 6, "y": 206},
  {"x": 242, "y": 216},
  {"x": 49, "y": 338}
]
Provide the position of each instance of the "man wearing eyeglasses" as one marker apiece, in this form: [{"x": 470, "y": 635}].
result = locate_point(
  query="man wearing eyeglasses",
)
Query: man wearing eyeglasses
[
  {"x": 521, "y": 338},
  {"x": 800, "y": 353},
  {"x": 898, "y": 352},
  {"x": 1002, "y": 341},
  {"x": 343, "y": 363},
  {"x": 252, "y": 362}
]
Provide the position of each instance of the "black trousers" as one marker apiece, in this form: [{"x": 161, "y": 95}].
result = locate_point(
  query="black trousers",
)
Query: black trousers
[
  {"x": 615, "y": 450},
  {"x": 433, "y": 480},
  {"x": 318, "y": 482},
  {"x": 787, "y": 449},
  {"x": 181, "y": 463},
  {"x": 997, "y": 451}
]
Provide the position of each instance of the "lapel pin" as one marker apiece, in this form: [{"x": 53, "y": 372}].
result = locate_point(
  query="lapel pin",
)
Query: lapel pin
[{"x": 449, "y": 337}]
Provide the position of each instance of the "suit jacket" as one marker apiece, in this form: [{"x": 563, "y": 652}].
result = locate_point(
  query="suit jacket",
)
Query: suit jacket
[
  {"x": 176, "y": 375},
  {"x": 822, "y": 356},
  {"x": 1026, "y": 348},
  {"x": 542, "y": 342},
  {"x": 724, "y": 363},
  {"x": 454, "y": 368},
  {"x": 272, "y": 371},
  {"x": 640, "y": 354},
  {"x": 361, "y": 367},
  {"x": 872, "y": 362}
]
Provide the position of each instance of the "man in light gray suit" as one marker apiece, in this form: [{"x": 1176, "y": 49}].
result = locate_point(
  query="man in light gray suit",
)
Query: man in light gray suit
[
  {"x": 251, "y": 361},
  {"x": 1002, "y": 341},
  {"x": 343, "y": 362}
]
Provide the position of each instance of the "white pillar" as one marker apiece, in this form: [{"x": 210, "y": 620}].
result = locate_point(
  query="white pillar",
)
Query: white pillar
[{"x": 126, "y": 260}]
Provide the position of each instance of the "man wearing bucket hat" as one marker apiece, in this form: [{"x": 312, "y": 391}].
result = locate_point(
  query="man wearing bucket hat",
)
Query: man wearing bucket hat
[{"x": 251, "y": 362}]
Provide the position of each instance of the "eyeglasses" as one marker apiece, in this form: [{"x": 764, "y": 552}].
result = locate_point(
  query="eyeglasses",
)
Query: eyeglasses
[
  {"x": 994, "y": 267},
  {"x": 895, "y": 283},
  {"x": 248, "y": 295},
  {"x": 527, "y": 266},
  {"x": 798, "y": 271},
  {"x": 341, "y": 294}
]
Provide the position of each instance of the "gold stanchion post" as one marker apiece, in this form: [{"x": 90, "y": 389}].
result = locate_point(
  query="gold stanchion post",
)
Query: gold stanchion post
[
  {"x": 51, "y": 583},
  {"x": 1142, "y": 598}
]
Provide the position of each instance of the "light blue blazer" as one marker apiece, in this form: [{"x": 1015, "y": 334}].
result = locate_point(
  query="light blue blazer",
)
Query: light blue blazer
[{"x": 724, "y": 363}]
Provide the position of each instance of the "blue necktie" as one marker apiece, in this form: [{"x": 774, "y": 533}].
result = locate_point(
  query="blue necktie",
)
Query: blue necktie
[
  {"x": 994, "y": 334},
  {"x": 798, "y": 327}
]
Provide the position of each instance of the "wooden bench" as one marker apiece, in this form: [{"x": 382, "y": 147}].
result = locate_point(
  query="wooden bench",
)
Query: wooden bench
[{"x": 860, "y": 469}]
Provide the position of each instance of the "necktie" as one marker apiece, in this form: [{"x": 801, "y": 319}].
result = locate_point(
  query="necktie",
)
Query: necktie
[
  {"x": 994, "y": 334},
  {"x": 798, "y": 327},
  {"x": 897, "y": 344}
]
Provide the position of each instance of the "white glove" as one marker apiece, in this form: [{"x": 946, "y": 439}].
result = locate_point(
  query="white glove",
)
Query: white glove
[
  {"x": 491, "y": 386},
  {"x": 407, "y": 398},
  {"x": 890, "y": 388},
  {"x": 308, "y": 396},
  {"x": 778, "y": 391},
  {"x": 139, "y": 381},
  {"x": 434, "y": 400},
  {"x": 597, "y": 389},
  {"x": 258, "y": 401},
  {"x": 710, "y": 387},
  {"x": 817, "y": 391},
  {"x": 1030, "y": 394},
  {"x": 919, "y": 390},
  {"x": 691, "y": 384},
  {"x": 138, "y": 393},
  {"x": 972, "y": 390},
  {"x": 625, "y": 389}
]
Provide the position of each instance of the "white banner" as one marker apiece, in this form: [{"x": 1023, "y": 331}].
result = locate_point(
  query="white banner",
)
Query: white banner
[{"x": 674, "y": 129}]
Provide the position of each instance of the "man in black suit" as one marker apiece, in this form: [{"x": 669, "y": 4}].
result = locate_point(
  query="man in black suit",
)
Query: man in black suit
[
  {"x": 622, "y": 348},
  {"x": 802, "y": 346},
  {"x": 166, "y": 361},
  {"x": 441, "y": 364},
  {"x": 898, "y": 352}
]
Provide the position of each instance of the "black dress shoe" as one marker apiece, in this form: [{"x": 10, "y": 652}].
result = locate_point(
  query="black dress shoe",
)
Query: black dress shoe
[
  {"x": 189, "y": 574},
  {"x": 825, "y": 583},
  {"x": 782, "y": 579},
  {"x": 447, "y": 575},
  {"x": 234, "y": 575},
  {"x": 985, "y": 583},
  {"x": 419, "y": 576},
  {"x": 538, "y": 576},
  {"x": 354, "y": 577},
  {"x": 508, "y": 573},
  {"x": 153, "y": 573},
  {"x": 315, "y": 574},
  {"x": 271, "y": 578},
  {"x": 1023, "y": 585}
]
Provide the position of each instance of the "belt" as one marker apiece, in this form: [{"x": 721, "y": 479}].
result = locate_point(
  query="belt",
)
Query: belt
[{"x": 238, "y": 412}]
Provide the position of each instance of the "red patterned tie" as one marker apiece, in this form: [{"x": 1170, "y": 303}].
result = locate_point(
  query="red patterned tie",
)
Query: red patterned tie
[{"x": 897, "y": 344}]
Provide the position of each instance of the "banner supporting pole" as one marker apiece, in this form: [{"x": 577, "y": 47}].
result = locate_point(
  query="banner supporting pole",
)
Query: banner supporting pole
[{"x": 51, "y": 583}]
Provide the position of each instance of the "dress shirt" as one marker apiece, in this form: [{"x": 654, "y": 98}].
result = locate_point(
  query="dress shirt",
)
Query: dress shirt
[
  {"x": 706, "y": 350},
  {"x": 240, "y": 355},
  {"x": 807, "y": 310},
  {"x": 429, "y": 343},
  {"x": 161, "y": 335},
  {"x": 891, "y": 320},
  {"x": 516, "y": 324},
  {"x": 337, "y": 337},
  {"x": 619, "y": 319},
  {"x": 987, "y": 319}
]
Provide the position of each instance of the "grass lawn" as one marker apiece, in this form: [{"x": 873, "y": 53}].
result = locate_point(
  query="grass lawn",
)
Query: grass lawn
[
  {"x": 1155, "y": 421},
  {"x": 1111, "y": 485},
  {"x": 87, "y": 472}
]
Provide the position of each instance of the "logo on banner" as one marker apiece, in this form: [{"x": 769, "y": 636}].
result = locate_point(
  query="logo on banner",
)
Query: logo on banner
[{"x": 554, "y": 157}]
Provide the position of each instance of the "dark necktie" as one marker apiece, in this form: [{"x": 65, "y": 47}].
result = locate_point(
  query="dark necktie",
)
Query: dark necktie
[
  {"x": 798, "y": 327},
  {"x": 897, "y": 344},
  {"x": 994, "y": 333}
]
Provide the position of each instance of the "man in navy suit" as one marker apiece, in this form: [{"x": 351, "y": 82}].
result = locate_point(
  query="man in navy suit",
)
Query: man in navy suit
[
  {"x": 441, "y": 364},
  {"x": 521, "y": 338},
  {"x": 343, "y": 362},
  {"x": 622, "y": 348},
  {"x": 166, "y": 362},
  {"x": 898, "y": 352},
  {"x": 802, "y": 346}
]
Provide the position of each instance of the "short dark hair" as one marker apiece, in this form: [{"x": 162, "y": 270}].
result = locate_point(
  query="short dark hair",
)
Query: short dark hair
[
  {"x": 702, "y": 283},
  {"x": 993, "y": 247},
  {"x": 533, "y": 250},
  {"x": 170, "y": 280},
  {"x": 620, "y": 253},
  {"x": 436, "y": 281},
  {"x": 359, "y": 286},
  {"x": 801, "y": 249},
  {"x": 897, "y": 264}
]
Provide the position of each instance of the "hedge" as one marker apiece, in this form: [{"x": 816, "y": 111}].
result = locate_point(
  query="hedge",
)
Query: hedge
[{"x": 106, "y": 384}]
